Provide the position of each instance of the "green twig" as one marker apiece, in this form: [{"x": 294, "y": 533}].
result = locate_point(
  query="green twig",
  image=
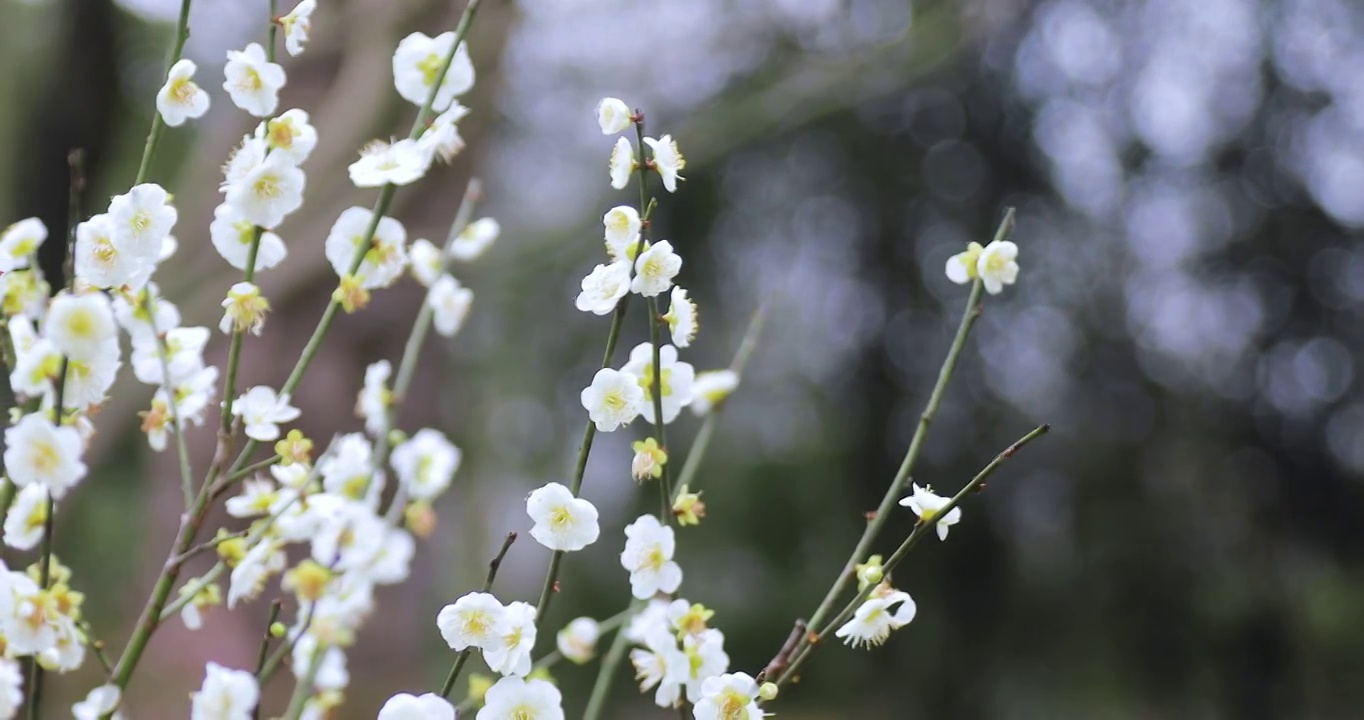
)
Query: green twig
[
  {"x": 154, "y": 135},
  {"x": 493, "y": 565}
]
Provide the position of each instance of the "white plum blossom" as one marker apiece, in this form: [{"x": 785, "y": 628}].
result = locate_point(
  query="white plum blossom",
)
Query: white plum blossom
[
  {"x": 99, "y": 702},
  {"x": 87, "y": 381},
  {"x": 659, "y": 664},
  {"x": 614, "y": 398},
  {"x": 410, "y": 707},
  {"x": 142, "y": 218},
  {"x": 266, "y": 193},
  {"x": 373, "y": 401},
  {"x": 450, "y": 303},
  {"x": 261, "y": 562},
  {"x": 706, "y": 658},
  {"x": 40, "y": 453},
  {"x": 180, "y": 99},
  {"x": 24, "y": 522},
  {"x": 622, "y": 224},
  {"x": 291, "y": 135},
  {"x": 577, "y": 641},
  {"x": 37, "y": 366},
  {"x": 648, "y": 555},
  {"x": 381, "y": 163},
  {"x": 20, "y": 242},
  {"x": 655, "y": 269},
  {"x": 255, "y": 499},
  {"x": 252, "y": 81},
  {"x": 244, "y": 309},
  {"x": 428, "y": 261},
  {"x": 510, "y": 653},
  {"x": 676, "y": 381},
  {"x": 613, "y": 115},
  {"x": 513, "y": 698},
  {"x": 622, "y": 163},
  {"x": 425, "y": 463},
  {"x": 475, "y": 240},
  {"x": 416, "y": 68},
  {"x": 243, "y": 159},
  {"x": 681, "y": 318},
  {"x": 732, "y": 696},
  {"x": 877, "y": 616},
  {"x": 184, "y": 355},
  {"x": 80, "y": 326},
  {"x": 442, "y": 138},
  {"x": 471, "y": 621},
  {"x": 232, "y": 235},
  {"x": 667, "y": 160},
  {"x": 562, "y": 522},
  {"x": 384, "y": 260},
  {"x": 226, "y": 694},
  {"x": 998, "y": 266},
  {"x": 604, "y": 287},
  {"x": 261, "y": 410},
  {"x": 711, "y": 388},
  {"x": 11, "y": 688},
  {"x": 961, "y": 268},
  {"x": 928, "y": 505},
  {"x": 297, "y": 24},
  {"x": 99, "y": 261}
]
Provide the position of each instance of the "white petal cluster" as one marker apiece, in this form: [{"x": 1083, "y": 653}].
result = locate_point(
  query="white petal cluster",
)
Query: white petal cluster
[
  {"x": 513, "y": 698},
  {"x": 728, "y": 696},
  {"x": 410, "y": 707},
  {"x": 928, "y": 506},
  {"x": 614, "y": 399},
  {"x": 19, "y": 243},
  {"x": 679, "y": 654},
  {"x": 383, "y": 256},
  {"x": 648, "y": 555},
  {"x": 675, "y": 382},
  {"x": 42, "y": 454},
  {"x": 226, "y": 694},
  {"x": 667, "y": 160},
  {"x": 252, "y": 81},
  {"x": 613, "y": 115},
  {"x": 297, "y": 25},
  {"x": 562, "y": 522},
  {"x": 577, "y": 641},
  {"x": 181, "y": 99},
  {"x": 417, "y": 64},
  {"x": 449, "y": 302},
  {"x": 655, "y": 269},
  {"x": 995, "y": 264},
  {"x": 261, "y": 410},
  {"x": 425, "y": 464},
  {"x": 885, "y": 610},
  {"x": 381, "y": 163},
  {"x": 504, "y": 633}
]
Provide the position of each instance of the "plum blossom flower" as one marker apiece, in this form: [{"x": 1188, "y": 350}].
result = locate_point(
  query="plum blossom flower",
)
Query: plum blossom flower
[
  {"x": 562, "y": 522},
  {"x": 227, "y": 694},
  {"x": 40, "y": 453},
  {"x": 604, "y": 287},
  {"x": 667, "y": 160},
  {"x": 998, "y": 266},
  {"x": 577, "y": 641},
  {"x": 885, "y": 610},
  {"x": 733, "y": 696},
  {"x": 613, "y": 399},
  {"x": 613, "y": 115},
  {"x": 450, "y": 302},
  {"x": 622, "y": 163},
  {"x": 674, "y": 382},
  {"x": 655, "y": 269},
  {"x": 180, "y": 99},
  {"x": 681, "y": 318},
  {"x": 471, "y": 621},
  {"x": 261, "y": 410},
  {"x": 648, "y": 555},
  {"x": 297, "y": 24},
  {"x": 513, "y": 698},
  {"x": 416, "y": 67},
  {"x": 252, "y": 81},
  {"x": 928, "y": 505}
]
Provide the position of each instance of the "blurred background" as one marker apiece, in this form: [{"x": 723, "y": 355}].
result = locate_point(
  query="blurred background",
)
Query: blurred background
[{"x": 1189, "y": 178}]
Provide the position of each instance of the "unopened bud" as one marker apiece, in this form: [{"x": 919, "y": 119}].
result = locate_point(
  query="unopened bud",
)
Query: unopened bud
[{"x": 767, "y": 691}]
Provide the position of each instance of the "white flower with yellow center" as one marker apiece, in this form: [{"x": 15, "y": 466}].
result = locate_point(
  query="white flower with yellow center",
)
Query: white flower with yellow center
[
  {"x": 613, "y": 115},
  {"x": 733, "y": 696},
  {"x": 706, "y": 658},
  {"x": 385, "y": 255},
  {"x": 425, "y": 463},
  {"x": 648, "y": 555},
  {"x": 475, "y": 240},
  {"x": 997, "y": 266},
  {"x": 885, "y": 610},
  {"x": 36, "y": 367},
  {"x": 88, "y": 381},
  {"x": 510, "y": 655},
  {"x": 28, "y": 514},
  {"x": 622, "y": 225},
  {"x": 416, "y": 68},
  {"x": 181, "y": 99},
  {"x": 562, "y": 522},
  {"x": 226, "y": 694},
  {"x": 20, "y": 242},
  {"x": 291, "y": 135},
  {"x": 961, "y": 268},
  {"x": 577, "y": 641},
  {"x": 442, "y": 138},
  {"x": 428, "y": 262},
  {"x": 667, "y": 160},
  {"x": 142, "y": 218},
  {"x": 681, "y": 318},
  {"x": 513, "y": 698},
  {"x": 184, "y": 355},
  {"x": 622, "y": 163},
  {"x": 381, "y": 163},
  {"x": 604, "y": 287},
  {"x": 471, "y": 621},
  {"x": 655, "y": 269},
  {"x": 80, "y": 326},
  {"x": 244, "y": 309},
  {"x": 100, "y": 263},
  {"x": 268, "y": 192},
  {"x": 660, "y": 664},
  {"x": 40, "y": 453},
  {"x": 676, "y": 381},
  {"x": 232, "y": 235},
  {"x": 928, "y": 506},
  {"x": 450, "y": 302},
  {"x": 613, "y": 399},
  {"x": 243, "y": 159},
  {"x": 409, "y": 707},
  {"x": 711, "y": 388},
  {"x": 297, "y": 24},
  {"x": 261, "y": 410},
  {"x": 252, "y": 81}
]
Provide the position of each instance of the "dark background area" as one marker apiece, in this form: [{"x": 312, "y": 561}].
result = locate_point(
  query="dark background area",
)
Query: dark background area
[{"x": 1189, "y": 179}]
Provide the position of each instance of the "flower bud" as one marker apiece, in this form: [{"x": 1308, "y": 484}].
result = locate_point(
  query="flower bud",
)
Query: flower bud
[{"x": 767, "y": 691}]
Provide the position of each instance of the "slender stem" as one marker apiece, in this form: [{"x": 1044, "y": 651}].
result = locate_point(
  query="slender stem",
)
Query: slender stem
[
  {"x": 612, "y": 338},
  {"x": 267, "y": 670},
  {"x": 920, "y": 529},
  {"x": 897, "y": 486},
  {"x": 407, "y": 366},
  {"x": 154, "y": 135},
  {"x": 463, "y": 657},
  {"x": 265, "y": 648},
  {"x": 606, "y": 674},
  {"x": 252, "y": 468},
  {"x": 656, "y": 394},
  {"x": 96, "y": 646}
]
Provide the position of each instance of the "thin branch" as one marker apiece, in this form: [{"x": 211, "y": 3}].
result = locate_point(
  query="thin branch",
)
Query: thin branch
[{"x": 493, "y": 566}]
